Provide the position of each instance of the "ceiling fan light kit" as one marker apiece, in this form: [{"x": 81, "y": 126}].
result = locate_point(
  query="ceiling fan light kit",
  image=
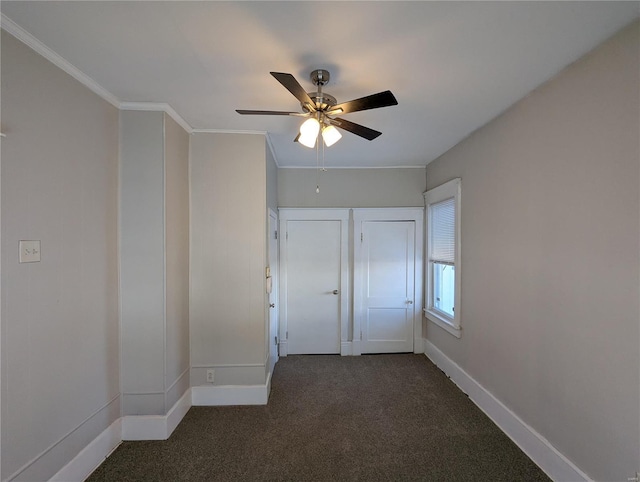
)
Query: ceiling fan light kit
[
  {"x": 330, "y": 135},
  {"x": 321, "y": 109},
  {"x": 309, "y": 132}
]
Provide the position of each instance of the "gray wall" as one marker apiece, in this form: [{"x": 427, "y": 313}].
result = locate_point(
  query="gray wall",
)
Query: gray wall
[
  {"x": 154, "y": 256},
  {"x": 228, "y": 258},
  {"x": 142, "y": 262},
  {"x": 272, "y": 181},
  {"x": 60, "y": 382},
  {"x": 352, "y": 188},
  {"x": 176, "y": 260},
  {"x": 550, "y": 259}
]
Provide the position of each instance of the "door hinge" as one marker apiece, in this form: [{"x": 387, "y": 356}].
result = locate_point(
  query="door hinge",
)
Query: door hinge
[
  {"x": 360, "y": 335},
  {"x": 361, "y": 237},
  {"x": 287, "y": 235},
  {"x": 275, "y": 234},
  {"x": 276, "y": 339},
  {"x": 286, "y": 335}
]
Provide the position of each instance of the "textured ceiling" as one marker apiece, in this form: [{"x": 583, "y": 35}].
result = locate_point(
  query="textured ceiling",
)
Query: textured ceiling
[{"x": 453, "y": 66}]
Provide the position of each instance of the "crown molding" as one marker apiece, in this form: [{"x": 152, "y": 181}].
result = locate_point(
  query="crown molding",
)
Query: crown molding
[
  {"x": 227, "y": 131},
  {"x": 354, "y": 167},
  {"x": 26, "y": 38},
  {"x": 157, "y": 107}
]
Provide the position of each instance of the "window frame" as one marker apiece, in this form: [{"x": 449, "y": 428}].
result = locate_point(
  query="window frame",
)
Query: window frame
[{"x": 448, "y": 190}]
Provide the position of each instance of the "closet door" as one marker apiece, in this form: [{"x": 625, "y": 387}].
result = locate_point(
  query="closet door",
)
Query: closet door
[
  {"x": 314, "y": 271},
  {"x": 388, "y": 261}
]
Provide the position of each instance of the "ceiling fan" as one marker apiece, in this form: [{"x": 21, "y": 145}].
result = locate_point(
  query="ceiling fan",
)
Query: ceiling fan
[{"x": 321, "y": 110}]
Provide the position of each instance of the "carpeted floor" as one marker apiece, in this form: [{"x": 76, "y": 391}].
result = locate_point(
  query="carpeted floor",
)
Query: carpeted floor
[{"x": 373, "y": 418}]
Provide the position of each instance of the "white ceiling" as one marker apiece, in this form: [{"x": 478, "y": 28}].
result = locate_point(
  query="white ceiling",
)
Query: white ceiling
[{"x": 453, "y": 66}]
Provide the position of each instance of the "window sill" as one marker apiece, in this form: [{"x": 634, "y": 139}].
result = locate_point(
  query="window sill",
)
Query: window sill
[{"x": 443, "y": 323}]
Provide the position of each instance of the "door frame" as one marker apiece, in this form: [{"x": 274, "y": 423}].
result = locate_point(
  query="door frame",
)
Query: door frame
[
  {"x": 273, "y": 313},
  {"x": 311, "y": 214},
  {"x": 361, "y": 215}
]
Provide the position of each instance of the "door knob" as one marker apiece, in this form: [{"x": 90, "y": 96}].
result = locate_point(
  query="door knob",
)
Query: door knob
[
  {"x": 272, "y": 305},
  {"x": 335, "y": 292},
  {"x": 409, "y": 302}
]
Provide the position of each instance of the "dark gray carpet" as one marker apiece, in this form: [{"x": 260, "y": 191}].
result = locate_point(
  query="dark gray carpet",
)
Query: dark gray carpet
[{"x": 375, "y": 417}]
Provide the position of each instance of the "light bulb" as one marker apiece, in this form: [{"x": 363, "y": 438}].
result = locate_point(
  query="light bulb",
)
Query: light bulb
[
  {"x": 307, "y": 141},
  {"x": 310, "y": 127},
  {"x": 309, "y": 132},
  {"x": 331, "y": 135}
]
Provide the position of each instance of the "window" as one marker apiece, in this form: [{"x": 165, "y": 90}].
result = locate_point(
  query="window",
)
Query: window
[{"x": 443, "y": 256}]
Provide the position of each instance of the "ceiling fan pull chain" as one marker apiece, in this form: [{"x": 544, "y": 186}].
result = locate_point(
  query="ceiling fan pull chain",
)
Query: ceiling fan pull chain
[
  {"x": 323, "y": 168},
  {"x": 318, "y": 166}
]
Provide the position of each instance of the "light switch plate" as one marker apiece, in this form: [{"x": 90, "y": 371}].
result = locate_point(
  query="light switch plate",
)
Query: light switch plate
[{"x": 29, "y": 251}]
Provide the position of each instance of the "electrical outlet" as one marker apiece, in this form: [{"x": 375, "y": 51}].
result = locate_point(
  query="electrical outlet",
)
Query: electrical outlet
[
  {"x": 210, "y": 375},
  {"x": 29, "y": 251}
]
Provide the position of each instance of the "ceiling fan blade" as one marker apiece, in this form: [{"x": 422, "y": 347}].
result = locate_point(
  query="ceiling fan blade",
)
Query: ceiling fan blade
[
  {"x": 268, "y": 112},
  {"x": 354, "y": 128},
  {"x": 374, "y": 101},
  {"x": 291, "y": 84}
]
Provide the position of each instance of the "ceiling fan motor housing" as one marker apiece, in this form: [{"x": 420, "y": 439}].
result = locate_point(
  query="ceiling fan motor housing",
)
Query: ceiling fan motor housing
[
  {"x": 320, "y": 77},
  {"x": 323, "y": 101}
]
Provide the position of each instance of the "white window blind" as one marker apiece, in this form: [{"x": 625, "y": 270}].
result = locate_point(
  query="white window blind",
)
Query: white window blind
[{"x": 443, "y": 232}]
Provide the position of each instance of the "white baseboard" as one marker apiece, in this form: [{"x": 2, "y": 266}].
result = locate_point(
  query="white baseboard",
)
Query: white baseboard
[
  {"x": 178, "y": 411},
  {"x": 212, "y": 395},
  {"x": 76, "y": 451},
  {"x": 537, "y": 448},
  {"x": 156, "y": 427},
  {"x": 231, "y": 394},
  {"x": 83, "y": 464},
  {"x": 272, "y": 364}
]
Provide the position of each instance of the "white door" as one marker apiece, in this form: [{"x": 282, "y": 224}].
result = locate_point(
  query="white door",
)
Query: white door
[
  {"x": 314, "y": 281},
  {"x": 387, "y": 261},
  {"x": 273, "y": 296}
]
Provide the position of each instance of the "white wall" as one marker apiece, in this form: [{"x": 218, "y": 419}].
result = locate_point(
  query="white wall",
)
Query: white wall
[
  {"x": 228, "y": 258},
  {"x": 550, "y": 259},
  {"x": 154, "y": 255},
  {"x": 352, "y": 188},
  {"x": 60, "y": 382}
]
